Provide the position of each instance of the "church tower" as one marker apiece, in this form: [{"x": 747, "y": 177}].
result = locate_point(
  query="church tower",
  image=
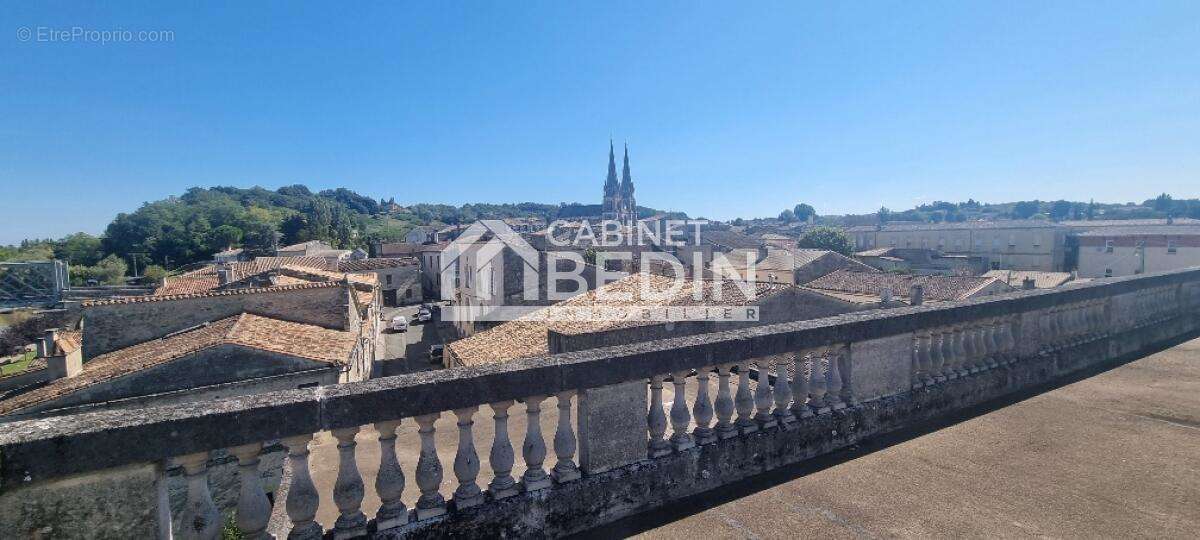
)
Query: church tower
[
  {"x": 612, "y": 191},
  {"x": 628, "y": 204}
]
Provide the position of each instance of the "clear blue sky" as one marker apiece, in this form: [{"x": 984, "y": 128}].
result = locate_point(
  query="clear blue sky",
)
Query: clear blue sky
[{"x": 730, "y": 109}]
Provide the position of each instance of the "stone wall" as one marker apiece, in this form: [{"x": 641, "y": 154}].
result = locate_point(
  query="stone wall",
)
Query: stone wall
[{"x": 108, "y": 327}]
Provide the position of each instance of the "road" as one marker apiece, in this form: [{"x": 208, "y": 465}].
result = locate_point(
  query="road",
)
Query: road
[{"x": 407, "y": 352}]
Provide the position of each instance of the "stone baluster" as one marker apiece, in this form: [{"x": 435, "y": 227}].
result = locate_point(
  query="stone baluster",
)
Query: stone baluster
[
  {"x": 991, "y": 341},
  {"x": 950, "y": 363},
  {"x": 924, "y": 359},
  {"x": 723, "y": 405},
  {"x": 1045, "y": 331},
  {"x": 817, "y": 402},
  {"x": 801, "y": 385},
  {"x": 502, "y": 457},
  {"x": 1010, "y": 341},
  {"x": 389, "y": 483},
  {"x": 783, "y": 397},
  {"x": 656, "y": 419},
  {"x": 833, "y": 378},
  {"x": 302, "y": 497},
  {"x": 200, "y": 519},
  {"x": 253, "y": 508},
  {"x": 534, "y": 449},
  {"x": 762, "y": 395},
  {"x": 744, "y": 400},
  {"x": 981, "y": 350},
  {"x": 702, "y": 409},
  {"x": 681, "y": 417},
  {"x": 917, "y": 377},
  {"x": 565, "y": 469},
  {"x": 975, "y": 350},
  {"x": 937, "y": 363},
  {"x": 429, "y": 470},
  {"x": 466, "y": 461},
  {"x": 348, "y": 487}
]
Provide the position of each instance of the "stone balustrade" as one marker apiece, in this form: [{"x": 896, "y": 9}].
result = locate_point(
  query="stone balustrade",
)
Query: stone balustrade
[{"x": 863, "y": 371}]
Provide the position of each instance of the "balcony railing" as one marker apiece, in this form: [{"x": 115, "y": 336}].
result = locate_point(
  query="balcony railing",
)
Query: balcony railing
[{"x": 806, "y": 371}]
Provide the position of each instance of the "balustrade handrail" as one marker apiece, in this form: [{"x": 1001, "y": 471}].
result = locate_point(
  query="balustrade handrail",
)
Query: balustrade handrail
[{"x": 38, "y": 449}]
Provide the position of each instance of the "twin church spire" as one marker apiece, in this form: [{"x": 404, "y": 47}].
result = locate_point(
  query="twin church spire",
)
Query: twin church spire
[{"x": 619, "y": 202}]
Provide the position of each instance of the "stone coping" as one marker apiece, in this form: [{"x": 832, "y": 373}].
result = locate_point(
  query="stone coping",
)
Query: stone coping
[{"x": 34, "y": 450}]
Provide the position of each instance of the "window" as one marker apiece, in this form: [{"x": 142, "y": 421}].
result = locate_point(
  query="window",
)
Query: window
[
  {"x": 1171, "y": 247},
  {"x": 389, "y": 279},
  {"x": 408, "y": 293},
  {"x": 1108, "y": 272},
  {"x": 1108, "y": 245}
]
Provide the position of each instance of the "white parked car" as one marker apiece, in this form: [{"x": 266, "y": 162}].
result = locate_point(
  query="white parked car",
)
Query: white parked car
[
  {"x": 399, "y": 323},
  {"x": 424, "y": 315}
]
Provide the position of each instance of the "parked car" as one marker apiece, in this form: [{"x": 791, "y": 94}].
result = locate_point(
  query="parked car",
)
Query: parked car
[
  {"x": 399, "y": 324},
  {"x": 424, "y": 315},
  {"x": 435, "y": 353}
]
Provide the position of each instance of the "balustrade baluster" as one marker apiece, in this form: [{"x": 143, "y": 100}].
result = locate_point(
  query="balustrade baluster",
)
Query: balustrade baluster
[
  {"x": 253, "y": 507},
  {"x": 924, "y": 361},
  {"x": 302, "y": 497},
  {"x": 762, "y": 395},
  {"x": 937, "y": 363},
  {"x": 946, "y": 347},
  {"x": 783, "y": 397},
  {"x": 817, "y": 402},
  {"x": 502, "y": 456},
  {"x": 565, "y": 469},
  {"x": 917, "y": 378},
  {"x": 961, "y": 356},
  {"x": 833, "y": 379},
  {"x": 429, "y": 470},
  {"x": 702, "y": 409},
  {"x": 724, "y": 404},
  {"x": 681, "y": 417},
  {"x": 200, "y": 519},
  {"x": 466, "y": 461},
  {"x": 534, "y": 449},
  {"x": 744, "y": 400},
  {"x": 1010, "y": 341},
  {"x": 974, "y": 347},
  {"x": 990, "y": 345},
  {"x": 801, "y": 385},
  {"x": 656, "y": 419},
  {"x": 348, "y": 487},
  {"x": 389, "y": 483}
]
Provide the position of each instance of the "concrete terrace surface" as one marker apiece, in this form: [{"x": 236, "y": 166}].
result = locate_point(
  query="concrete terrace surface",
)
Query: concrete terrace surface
[{"x": 1116, "y": 455}]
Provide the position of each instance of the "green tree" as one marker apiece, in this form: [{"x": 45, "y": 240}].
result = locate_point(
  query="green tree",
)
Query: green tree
[
  {"x": 224, "y": 237},
  {"x": 827, "y": 238},
  {"x": 804, "y": 211},
  {"x": 787, "y": 216},
  {"x": 154, "y": 274},
  {"x": 1025, "y": 209},
  {"x": 1060, "y": 210},
  {"x": 79, "y": 249}
]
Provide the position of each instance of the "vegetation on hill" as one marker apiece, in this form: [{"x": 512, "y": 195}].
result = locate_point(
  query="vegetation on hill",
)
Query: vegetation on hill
[{"x": 190, "y": 228}]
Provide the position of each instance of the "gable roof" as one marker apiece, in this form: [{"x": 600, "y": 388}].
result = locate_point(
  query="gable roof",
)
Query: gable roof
[
  {"x": 205, "y": 278},
  {"x": 245, "y": 330},
  {"x": 367, "y": 265},
  {"x": 1041, "y": 280},
  {"x": 937, "y": 288},
  {"x": 527, "y": 335}
]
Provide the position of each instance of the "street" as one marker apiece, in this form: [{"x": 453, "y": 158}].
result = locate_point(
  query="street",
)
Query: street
[{"x": 406, "y": 352}]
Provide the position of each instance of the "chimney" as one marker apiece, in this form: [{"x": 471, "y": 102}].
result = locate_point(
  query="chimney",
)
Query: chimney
[
  {"x": 1028, "y": 283},
  {"x": 916, "y": 295},
  {"x": 885, "y": 295},
  {"x": 224, "y": 276},
  {"x": 46, "y": 345},
  {"x": 1074, "y": 274}
]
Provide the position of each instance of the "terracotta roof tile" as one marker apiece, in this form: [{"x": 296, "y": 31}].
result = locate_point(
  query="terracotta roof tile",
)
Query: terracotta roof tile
[
  {"x": 205, "y": 279},
  {"x": 246, "y": 330},
  {"x": 367, "y": 265},
  {"x": 1041, "y": 280},
  {"x": 937, "y": 288}
]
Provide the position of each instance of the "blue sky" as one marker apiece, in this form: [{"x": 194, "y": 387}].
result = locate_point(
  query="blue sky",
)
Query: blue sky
[{"x": 730, "y": 109}]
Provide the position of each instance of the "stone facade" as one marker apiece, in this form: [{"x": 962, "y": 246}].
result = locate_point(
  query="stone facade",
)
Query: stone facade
[{"x": 1016, "y": 245}]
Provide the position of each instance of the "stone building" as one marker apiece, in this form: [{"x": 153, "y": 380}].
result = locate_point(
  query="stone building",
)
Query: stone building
[
  {"x": 785, "y": 266},
  {"x": 1022, "y": 279},
  {"x": 1137, "y": 249},
  {"x": 1015, "y": 244},
  {"x": 399, "y": 278},
  {"x": 313, "y": 248},
  {"x": 923, "y": 261}
]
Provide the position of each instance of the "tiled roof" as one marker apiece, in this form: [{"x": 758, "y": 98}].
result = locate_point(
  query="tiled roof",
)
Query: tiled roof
[
  {"x": 222, "y": 292},
  {"x": 527, "y": 335},
  {"x": 877, "y": 252},
  {"x": 729, "y": 239},
  {"x": 245, "y": 330},
  {"x": 937, "y": 288},
  {"x": 1144, "y": 230},
  {"x": 205, "y": 279},
  {"x": 947, "y": 226},
  {"x": 311, "y": 244},
  {"x": 367, "y": 265},
  {"x": 1080, "y": 223},
  {"x": 777, "y": 259},
  {"x": 1041, "y": 280}
]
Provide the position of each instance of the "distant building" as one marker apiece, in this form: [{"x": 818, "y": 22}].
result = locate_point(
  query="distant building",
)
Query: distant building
[
  {"x": 399, "y": 279},
  {"x": 430, "y": 256},
  {"x": 922, "y": 261},
  {"x": 1018, "y": 279},
  {"x": 885, "y": 287},
  {"x": 420, "y": 235},
  {"x": 229, "y": 255},
  {"x": 313, "y": 248},
  {"x": 1015, "y": 244},
  {"x": 1129, "y": 250},
  {"x": 784, "y": 266}
]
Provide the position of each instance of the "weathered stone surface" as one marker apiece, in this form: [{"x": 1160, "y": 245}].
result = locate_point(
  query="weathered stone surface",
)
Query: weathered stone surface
[
  {"x": 881, "y": 367},
  {"x": 114, "y": 503},
  {"x": 612, "y": 426}
]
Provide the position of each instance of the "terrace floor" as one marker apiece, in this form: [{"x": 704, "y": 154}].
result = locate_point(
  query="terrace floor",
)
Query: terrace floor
[{"x": 1116, "y": 455}]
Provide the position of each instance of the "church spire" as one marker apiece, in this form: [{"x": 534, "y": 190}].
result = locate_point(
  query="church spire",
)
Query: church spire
[
  {"x": 626, "y": 181},
  {"x": 610, "y": 184}
]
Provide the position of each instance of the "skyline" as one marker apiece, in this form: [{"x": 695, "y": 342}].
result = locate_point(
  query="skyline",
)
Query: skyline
[{"x": 728, "y": 111}]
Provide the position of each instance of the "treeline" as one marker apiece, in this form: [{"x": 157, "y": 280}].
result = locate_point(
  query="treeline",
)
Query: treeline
[{"x": 179, "y": 231}]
